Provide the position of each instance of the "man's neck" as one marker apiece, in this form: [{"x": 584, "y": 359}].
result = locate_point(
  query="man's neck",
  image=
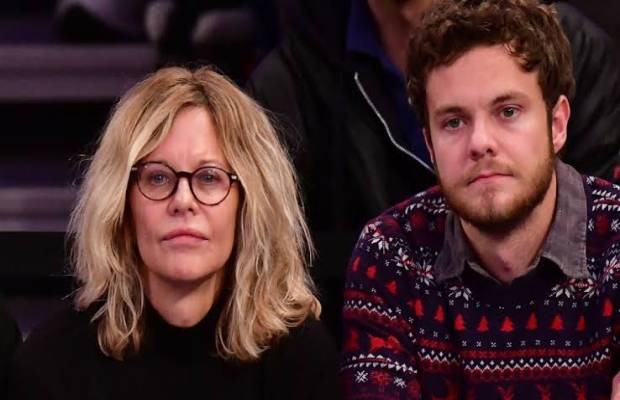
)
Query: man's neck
[
  {"x": 509, "y": 255},
  {"x": 393, "y": 31}
]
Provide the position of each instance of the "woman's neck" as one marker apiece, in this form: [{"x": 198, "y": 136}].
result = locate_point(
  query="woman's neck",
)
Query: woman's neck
[{"x": 183, "y": 304}]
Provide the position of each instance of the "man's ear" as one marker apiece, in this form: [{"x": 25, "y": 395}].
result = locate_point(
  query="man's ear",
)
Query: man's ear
[
  {"x": 429, "y": 143},
  {"x": 559, "y": 123}
]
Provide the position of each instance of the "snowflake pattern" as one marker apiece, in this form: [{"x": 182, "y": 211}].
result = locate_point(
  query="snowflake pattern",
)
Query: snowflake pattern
[
  {"x": 369, "y": 230},
  {"x": 380, "y": 241},
  {"x": 575, "y": 288},
  {"x": 402, "y": 259},
  {"x": 424, "y": 274},
  {"x": 399, "y": 382},
  {"x": 564, "y": 289},
  {"x": 612, "y": 267},
  {"x": 458, "y": 291},
  {"x": 361, "y": 376}
]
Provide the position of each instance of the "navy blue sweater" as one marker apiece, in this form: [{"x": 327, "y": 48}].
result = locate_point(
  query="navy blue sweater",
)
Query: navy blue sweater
[{"x": 545, "y": 336}]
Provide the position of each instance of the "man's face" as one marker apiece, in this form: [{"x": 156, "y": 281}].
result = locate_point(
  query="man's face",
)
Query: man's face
[{"x": 491, "y": 138}]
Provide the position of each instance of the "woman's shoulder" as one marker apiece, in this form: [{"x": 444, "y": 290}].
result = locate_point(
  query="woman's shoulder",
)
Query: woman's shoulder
[{"x": 305, "y": 361}]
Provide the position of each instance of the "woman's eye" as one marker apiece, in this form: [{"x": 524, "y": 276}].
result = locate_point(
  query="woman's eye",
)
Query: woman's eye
[
  {"x": 158, "y": 179},
  {"x": 209, "y": 177}
]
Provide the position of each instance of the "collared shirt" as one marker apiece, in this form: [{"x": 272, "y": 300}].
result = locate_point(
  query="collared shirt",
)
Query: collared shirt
[
  {"x": 363, "y": 37},
  {"x": 564, "y": 246}
]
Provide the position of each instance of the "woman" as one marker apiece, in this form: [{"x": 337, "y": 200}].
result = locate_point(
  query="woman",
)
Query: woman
[{"x": 189, "y": 248}]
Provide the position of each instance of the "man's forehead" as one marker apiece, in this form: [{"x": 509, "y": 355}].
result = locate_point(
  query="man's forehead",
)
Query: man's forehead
[{"x": 483, "y": 75}]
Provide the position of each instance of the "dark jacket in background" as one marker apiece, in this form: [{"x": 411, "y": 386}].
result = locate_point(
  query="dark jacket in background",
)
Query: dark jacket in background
[
  {"x": 593, "y": 139},
  {"x": 10, "y": 339},
  {"x": 341, "y": 127}
]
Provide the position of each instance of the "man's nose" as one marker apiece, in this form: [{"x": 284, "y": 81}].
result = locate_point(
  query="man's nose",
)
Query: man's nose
[{"x": 482, "y": 139}]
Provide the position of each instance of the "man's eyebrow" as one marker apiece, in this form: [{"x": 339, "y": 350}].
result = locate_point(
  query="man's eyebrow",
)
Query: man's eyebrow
[
  {"x": 448, "y": 109},
  {"x": 508, "y": 96},
  {"x": 456, "y": 109}
]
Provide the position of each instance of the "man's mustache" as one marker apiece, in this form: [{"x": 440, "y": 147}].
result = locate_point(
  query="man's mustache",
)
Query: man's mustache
[{"x": 485, "y": 168}]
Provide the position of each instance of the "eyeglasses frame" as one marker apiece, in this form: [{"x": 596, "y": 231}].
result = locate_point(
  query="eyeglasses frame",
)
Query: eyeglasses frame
[{"x": 135, "y": 170}]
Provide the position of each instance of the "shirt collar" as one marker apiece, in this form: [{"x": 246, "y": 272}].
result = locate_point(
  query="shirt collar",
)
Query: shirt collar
[{"x": 565, "y": 244}]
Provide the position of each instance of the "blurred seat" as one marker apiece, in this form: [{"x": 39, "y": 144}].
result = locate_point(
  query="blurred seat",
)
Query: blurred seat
[{"x": 55, "y": 96}]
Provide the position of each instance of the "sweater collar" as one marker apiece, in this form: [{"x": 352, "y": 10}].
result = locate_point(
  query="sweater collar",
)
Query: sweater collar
[{"x": 196, "y": 341}]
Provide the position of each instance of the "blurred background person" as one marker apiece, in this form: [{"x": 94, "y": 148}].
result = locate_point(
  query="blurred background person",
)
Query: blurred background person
[
  {"x": 232, "y": 34},
  {"x": 190, "y": 252}
]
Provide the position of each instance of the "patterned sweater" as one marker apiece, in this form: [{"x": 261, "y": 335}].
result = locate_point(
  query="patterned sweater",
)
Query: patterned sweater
[{"x": 545, "y": 336}]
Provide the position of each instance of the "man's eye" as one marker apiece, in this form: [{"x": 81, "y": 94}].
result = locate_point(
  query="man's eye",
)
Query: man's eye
[
  {"x": 509, "y": 112},
  {"x": 453, "y": 123}
]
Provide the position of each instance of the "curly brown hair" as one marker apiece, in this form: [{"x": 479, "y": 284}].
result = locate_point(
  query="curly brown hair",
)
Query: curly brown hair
[{"x": 530, "y": 31}]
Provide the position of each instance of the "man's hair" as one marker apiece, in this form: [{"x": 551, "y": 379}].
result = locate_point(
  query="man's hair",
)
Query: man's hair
[
  {"x": 268, "y": 286},
  {"x": 530, "y": 31}
]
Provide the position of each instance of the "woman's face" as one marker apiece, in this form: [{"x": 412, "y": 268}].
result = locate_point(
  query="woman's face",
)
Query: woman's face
[{"x": 180, "y": 240}]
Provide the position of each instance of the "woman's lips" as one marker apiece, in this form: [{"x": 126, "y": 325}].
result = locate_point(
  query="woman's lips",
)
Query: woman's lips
[{"x": 184, "y": 236}]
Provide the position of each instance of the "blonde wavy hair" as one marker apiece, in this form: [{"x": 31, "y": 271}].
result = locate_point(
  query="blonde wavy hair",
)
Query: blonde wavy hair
[{"x": 270, "y": 288}]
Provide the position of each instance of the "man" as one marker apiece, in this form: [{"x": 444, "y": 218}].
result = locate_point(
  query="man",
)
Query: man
[
  {"x": 502, "y": 282},
  {"x": 337, "y": 85}
]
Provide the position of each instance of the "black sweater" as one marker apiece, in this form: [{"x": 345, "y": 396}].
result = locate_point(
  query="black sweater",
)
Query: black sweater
[{"x": 62, "y": 360}]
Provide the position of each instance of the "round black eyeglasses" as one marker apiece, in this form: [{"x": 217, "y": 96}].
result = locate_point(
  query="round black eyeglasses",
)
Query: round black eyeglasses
[{"x": 158, "y": 181}]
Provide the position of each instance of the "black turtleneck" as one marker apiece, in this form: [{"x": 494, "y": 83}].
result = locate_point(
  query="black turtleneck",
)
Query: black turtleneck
[{"x": 61, "y": 360}]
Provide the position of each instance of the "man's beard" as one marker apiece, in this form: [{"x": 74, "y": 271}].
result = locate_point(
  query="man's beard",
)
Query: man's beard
[{"x": 487, "y": 216}]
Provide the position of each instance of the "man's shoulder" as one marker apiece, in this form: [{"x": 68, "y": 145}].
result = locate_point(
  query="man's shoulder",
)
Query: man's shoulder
[
  {"x": 603, "y": 223},
  {"x": 416, "y": 212},
  {"x": 416, "y": 224},
  {"x": 603, "y": 196}
]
